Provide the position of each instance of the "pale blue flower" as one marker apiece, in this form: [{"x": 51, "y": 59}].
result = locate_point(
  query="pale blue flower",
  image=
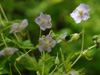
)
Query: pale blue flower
[
  {"x": 8, "y": 51},
  {"x": 44, "y": 21},
  {"x": 18, "y": 27},
  {"x": 46, "y": 43}
]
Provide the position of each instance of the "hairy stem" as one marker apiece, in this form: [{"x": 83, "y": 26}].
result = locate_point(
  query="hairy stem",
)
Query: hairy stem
[
  {"x": 40, "y": 32},
  {"x": 30, "y": 58},
  {"x": 5, "y": 28},
  {"x": 16, "y": 37},
  {"x": 43, "y": 62},
  {"x": 80, "y": 53},
  {"x": 53, "y": 70},
  {"x": 3, "y": 39},
  {"x": 17, "y": 68},
  {"x": 3, "y": 13},
  {"x": 10, "y": 69}
]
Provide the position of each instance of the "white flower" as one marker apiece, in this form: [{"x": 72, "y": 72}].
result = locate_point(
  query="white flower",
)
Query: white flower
[{"x": 81, "y": 13}]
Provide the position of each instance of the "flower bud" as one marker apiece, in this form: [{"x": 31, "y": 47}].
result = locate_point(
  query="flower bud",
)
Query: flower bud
[
  {"x": 98, "y": 43},
  {"x": 74, "y": 37},
  {"x": 19, "y": 58},
  {"x": 57, "y": 60},
  {"x": 95, "y": 37},
  {"x": 38, "y": 73}
]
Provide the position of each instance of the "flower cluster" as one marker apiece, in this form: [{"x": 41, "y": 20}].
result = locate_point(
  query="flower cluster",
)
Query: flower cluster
[
  {"x": 43, "y": 21},
  {"x": 81, "y": 13},
  {"x": 46, "y": 43},
  {"x": 8, "y": 51},
  {"x": 18, "y": 27}
]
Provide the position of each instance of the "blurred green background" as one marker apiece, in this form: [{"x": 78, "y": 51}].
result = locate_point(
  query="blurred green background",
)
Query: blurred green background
[{"x": 61, "y": 22}]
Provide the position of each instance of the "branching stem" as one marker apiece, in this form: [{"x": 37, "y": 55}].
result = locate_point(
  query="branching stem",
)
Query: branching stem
[{"x": 80, "y": 53}]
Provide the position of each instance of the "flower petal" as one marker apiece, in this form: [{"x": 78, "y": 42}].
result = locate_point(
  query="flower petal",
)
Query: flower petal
[
  {"x": 41, "y": 15},
  {"x": 41, "y": 39},
  {"x": 38, "y": 20},
  {"x": 40, "y": 48},
  {"x": 75, "y": 15},
  {"x": 24, "y": 24},
  {"x": 53, "y": 43},
  {"x": 85, "y": 16},
  {"x": 83, "y": 7},
  {"x": 49, "y": 37},
  {"x": 49, "y": 49},
  {"x": 59, "y": 40},
  {"x": 14, "y": 27}
]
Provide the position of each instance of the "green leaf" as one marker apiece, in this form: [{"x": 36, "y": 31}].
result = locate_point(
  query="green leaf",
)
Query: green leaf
[
  {"x": 3, "y": 60},
  {"x": 62, "y": 56},
  {"x": 4, "y": 71},
  {"x": 49, "y": 62},
  {"x": 68, "y": 62},
  {"x": 28, "y": 64},
  {"x": 25, "y": 44}
]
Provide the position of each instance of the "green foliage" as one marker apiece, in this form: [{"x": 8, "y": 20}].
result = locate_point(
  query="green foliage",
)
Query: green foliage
[{"x": 60, "y": 10}]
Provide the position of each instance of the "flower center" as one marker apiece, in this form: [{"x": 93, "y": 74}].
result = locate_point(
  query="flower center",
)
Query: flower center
[
  {"x": 45, "y": 21},
  {"x": 48, "y": 21},
  {"x": 81, "y": 13}
]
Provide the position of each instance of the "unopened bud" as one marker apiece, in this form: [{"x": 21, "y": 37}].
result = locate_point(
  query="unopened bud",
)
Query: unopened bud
[
  {"x": 74, "y": 37},
  {"x": 95, "y": 37},
  {"x": 57, "y": 60},
  {"x": 19, "y": 58},
  {"x": 38, "y": 73},
  {"x": 98, "y": 43}
]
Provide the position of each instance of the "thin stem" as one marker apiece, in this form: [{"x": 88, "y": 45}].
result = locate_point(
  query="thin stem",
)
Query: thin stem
[
  {"x": 17, "y": 68},
  {"x": 29, "y": 58},
  {"x": 2, "y": 44},
  {"x": 3, "y": 39},
  {"x": 10, "y": 69},
  {"x": 92, "y": 47},
  {"x": 58, "y": 67},
  {"x": 3, "y": 13},
  {"x": 16, "y": 37},
  {"x": 40, "y": 32},
  {"x": 80, "y": 53},
  {"x": 5, "y": 28},
  {"x": 82, "y": 40},
  {"x": 53, "y": 70},
  {"x": 43, "y": 62},
  {"x": 74, "y": 62},
  {"x": 25, "y": 51}
]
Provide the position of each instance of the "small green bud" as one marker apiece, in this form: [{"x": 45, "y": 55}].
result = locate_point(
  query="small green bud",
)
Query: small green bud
[
  {"x": 19, "y": 58},
  {"x": 95, "y": 37},
  {"x": 98, "y": 43},
  {"x": 38, "y": 73},
  {"x": 74, "y": 37},
  {"x": 57, "y": 60}
]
